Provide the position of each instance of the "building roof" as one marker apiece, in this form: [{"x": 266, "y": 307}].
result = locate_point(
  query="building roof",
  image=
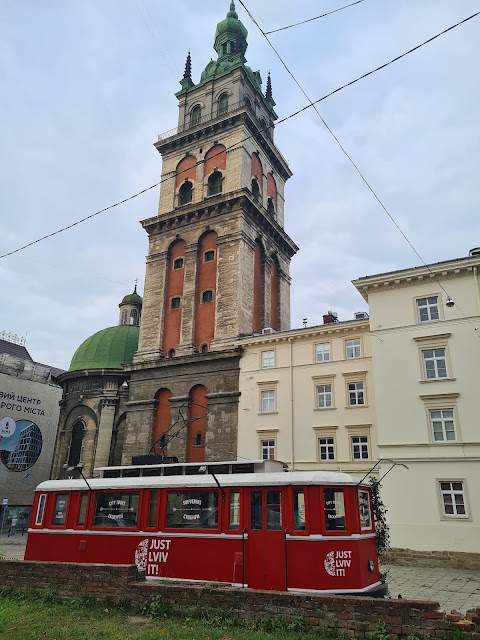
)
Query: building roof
[
  {"x": 107, "y": 349},
  {"x": 15, "y": 350}
]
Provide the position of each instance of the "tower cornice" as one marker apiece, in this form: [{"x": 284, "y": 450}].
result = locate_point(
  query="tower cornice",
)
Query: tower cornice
[
  {"x": 239, "y": 113},
  {"x": 219, "y": 205}
]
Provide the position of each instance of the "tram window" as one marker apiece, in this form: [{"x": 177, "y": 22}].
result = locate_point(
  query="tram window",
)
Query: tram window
[
  {"x": 299, "y": 510},
  {"x": 116, "y": 509},
  {"x": 234, "y": 522},
  {"x": 256, "y": 510},
  {"x": 334, "y": 505},
  {"x": 364, "y": 507},
  {"x": 152, "y": 508},
  {"x": 274, "y": 510},
  {"x": 60, "y": 510},
  {"x": 40, "y": 508},
  {"x": 192, "y": 509},
  {"x": 82, "y": 511}
]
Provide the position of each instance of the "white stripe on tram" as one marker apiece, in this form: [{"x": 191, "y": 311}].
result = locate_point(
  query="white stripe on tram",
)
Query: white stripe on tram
[{"x": 177, "y": 534}]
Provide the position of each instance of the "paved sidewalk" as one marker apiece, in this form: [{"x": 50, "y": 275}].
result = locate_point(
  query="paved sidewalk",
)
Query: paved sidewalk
[{"x": 452, "y": 588}]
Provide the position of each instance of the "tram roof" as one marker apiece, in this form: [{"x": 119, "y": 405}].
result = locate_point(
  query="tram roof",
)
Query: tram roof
[{"x": 305, "y": 478}]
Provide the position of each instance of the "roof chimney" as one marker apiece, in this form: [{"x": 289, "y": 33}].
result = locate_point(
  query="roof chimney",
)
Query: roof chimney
[{"x": 330, "y": 317}]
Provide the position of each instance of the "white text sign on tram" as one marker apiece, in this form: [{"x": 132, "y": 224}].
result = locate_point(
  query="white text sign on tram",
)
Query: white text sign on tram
[{"x": 150, "y": 554}]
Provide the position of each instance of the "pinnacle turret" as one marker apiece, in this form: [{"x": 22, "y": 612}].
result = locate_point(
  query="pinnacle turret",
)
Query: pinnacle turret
[{"x": 186, "y": 81}]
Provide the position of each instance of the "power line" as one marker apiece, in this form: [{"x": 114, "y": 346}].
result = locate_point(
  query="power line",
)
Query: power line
[
  {"x": 170, "y": 63},
  {"x": 345, "y": 152},
  {"x": 266, "y": 128},
  {"x": 312, "y": 19}
]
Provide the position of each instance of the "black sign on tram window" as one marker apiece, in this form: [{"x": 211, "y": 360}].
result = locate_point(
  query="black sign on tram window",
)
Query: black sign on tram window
[
  {"x": 114, "y": 509},
  {"x": 192, "y": 509},
  {"x": 60, "y": 511},
  {"x": 334, "y": 508}
]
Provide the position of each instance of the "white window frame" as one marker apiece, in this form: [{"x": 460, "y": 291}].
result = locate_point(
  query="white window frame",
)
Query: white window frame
[
  {"x": 268, "y": 403},
  {"x": 328, "y": 447},
  {"x": 268, "y": 446},
  {"x": 436, "y": 358},
  {"x": 453, "y": 493},
  {"x": 353, "y": 348},
  {"x": 42, "y": 501},
  {"x": 443, "y": 420},
  {"x": 430, "y": 304},
  {"x": 267, "y": 359},
  {"x": 326, "y": 394},
  {"x": 357, "y": 393},
  {"x": 324, "y": 354},
  {"x": 359, "y": 444}
]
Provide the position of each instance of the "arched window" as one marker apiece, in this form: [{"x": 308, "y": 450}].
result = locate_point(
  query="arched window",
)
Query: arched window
[
  {"x": 185, "y": 193},
  {"x": 163, "y": 440},
  {"x": 255, "y": 188},
  {"x": 197, "y": 442},
  {"x": 171, "y": 353},
  {"x": 204, "y": 348},
  {"x": 76, "y": 441},
  {"x": 124, "y": 318},
  {"x": 223, "y": 104},
  {"x": 270, "y": 206},
  {"x": 195, "y": 114},
  {"x": 177, "y": 264},
  {"x": 248, "y": 102},
  {"x": 175, "y": 302},
  {"x": 134, "y": 317},
  {"x": 215, "y": 183}
]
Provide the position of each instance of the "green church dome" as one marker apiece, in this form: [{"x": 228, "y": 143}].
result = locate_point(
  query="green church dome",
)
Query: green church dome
[
  {"x": 132, "y": 298},
  {"x": 107, "y": 349},
  {"x": 231, "y": 25}
]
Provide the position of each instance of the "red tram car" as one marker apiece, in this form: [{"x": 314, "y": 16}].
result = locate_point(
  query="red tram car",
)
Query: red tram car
[{"x": 252, "y": 525}]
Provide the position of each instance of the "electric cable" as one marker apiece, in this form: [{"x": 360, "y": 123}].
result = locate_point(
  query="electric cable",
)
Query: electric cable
[
  {"x": 329, "y": 13},
  {"x": 266, "y": 128},
  {"x": 345, "y": 152}
]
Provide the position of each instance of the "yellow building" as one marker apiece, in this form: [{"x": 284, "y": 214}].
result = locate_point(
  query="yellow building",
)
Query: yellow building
[{"x": 307, "y": 397}]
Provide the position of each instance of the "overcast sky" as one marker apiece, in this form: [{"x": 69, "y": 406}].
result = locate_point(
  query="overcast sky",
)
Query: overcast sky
[{"x": 87, "y": 85}]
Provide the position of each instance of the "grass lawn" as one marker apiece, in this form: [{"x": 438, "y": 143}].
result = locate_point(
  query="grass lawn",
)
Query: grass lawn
[{"x": 47, "y": 617}]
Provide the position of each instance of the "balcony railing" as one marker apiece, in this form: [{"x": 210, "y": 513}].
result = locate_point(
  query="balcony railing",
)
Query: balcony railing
[{"x": 217, "y": 115}]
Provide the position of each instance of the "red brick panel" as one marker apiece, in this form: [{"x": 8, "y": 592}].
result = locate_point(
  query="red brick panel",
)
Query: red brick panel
[
  {"x": 186, "y": 168},
  {"x": 272, "y": 189},
  {"x": 215, "y": 158},
  {"x": 206, "y": 280},
  {"x": 162, "y": 416},
  {"x": 173, "y": 317},
  {"x": 197, "y": 427}
]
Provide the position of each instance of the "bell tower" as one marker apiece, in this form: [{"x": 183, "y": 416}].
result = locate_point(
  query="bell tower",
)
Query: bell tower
[{"x": 218, "y": 260}]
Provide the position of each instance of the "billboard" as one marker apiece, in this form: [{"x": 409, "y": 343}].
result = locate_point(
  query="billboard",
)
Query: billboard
[{"x": 29, "y": 413}]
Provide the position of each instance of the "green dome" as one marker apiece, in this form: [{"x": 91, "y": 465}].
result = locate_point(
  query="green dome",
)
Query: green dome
[
  {"x": 107, "y": 349},
  {"x": 132, "y": 298},
  {"x": 231, "y": 25}
]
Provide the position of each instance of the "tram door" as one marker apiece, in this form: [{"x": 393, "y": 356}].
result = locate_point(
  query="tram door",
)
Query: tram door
[{"x": 266, "y": 542}]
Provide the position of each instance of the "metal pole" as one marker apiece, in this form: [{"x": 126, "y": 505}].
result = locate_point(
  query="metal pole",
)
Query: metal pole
[{"x": 3, "y": 519}]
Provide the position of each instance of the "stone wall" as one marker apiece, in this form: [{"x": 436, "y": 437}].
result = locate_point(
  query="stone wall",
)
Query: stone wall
[
  {"x": 352, "y": 615},
  {"x": 444, "y": 559}
]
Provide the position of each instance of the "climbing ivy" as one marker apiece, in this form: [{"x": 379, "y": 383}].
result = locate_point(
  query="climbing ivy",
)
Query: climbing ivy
[{"x": 380, "y": 517}]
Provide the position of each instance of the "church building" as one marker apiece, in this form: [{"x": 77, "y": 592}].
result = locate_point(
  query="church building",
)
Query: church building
[{"x": 218, "y": 259}]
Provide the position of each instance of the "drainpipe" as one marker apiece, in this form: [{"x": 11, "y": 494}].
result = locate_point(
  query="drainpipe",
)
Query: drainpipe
[
  {"x": 292, "y": 427},
  {"x": 477, "y": 282}
]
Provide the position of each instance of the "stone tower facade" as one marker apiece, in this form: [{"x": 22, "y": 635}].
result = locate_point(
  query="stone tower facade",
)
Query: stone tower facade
[{"x": 218, "y": 260}]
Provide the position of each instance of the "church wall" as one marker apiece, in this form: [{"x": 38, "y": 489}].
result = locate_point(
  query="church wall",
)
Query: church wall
[{"x": 217, "y": 371}]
